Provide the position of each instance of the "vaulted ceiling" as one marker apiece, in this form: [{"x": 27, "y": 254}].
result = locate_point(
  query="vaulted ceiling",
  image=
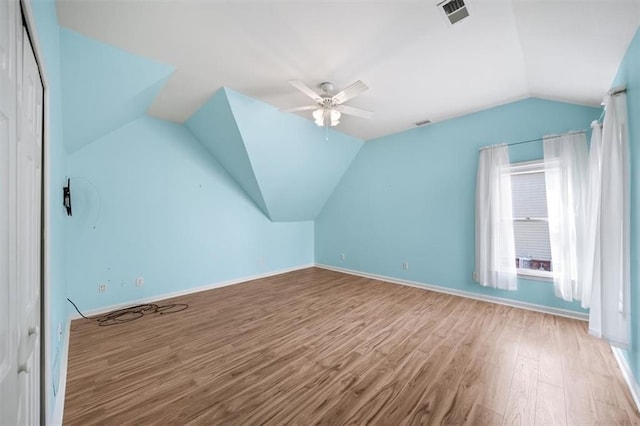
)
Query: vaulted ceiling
[
  {"x": 416, "y": 65},
  {"x": 287, "y": 165},
  {"x": 103, "y": 87}
]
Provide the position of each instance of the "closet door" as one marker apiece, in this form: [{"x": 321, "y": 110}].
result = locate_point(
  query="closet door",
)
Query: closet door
[
  {"x": 9, "y": 326},
  {"x": 21, "y": 114},
  {"x": 29, "y": 188}
]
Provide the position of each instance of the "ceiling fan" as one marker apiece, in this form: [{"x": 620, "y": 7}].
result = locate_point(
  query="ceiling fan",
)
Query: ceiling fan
[{"x": 329, "y": 107}]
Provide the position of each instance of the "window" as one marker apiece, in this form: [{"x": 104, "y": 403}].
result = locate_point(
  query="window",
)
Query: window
[{"x": 530, "y": 220}]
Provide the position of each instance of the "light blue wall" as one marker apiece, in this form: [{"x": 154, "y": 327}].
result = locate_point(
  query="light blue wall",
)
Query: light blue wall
[
  {"x": 297, "y": 168},
  {"x": 48, "y": 33},
  {"x": 215, "y": 126},
  {"x": 151, "y": 201},
  {"x": 103, "y": 87},
  {"x": 410, "y": 197},
  {"x": 284, "y": 162},
  {"x": 629, "y": 76}
]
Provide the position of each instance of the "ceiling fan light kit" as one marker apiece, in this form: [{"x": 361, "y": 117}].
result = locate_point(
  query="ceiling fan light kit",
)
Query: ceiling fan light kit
[
  {"x": 329, "y": 107},
  {"x": 324, "y": 116}
]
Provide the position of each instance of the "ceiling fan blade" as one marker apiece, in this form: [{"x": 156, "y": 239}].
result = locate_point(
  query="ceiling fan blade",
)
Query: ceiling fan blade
[
  {"x": 349, "y": 92},
  {"x": 345, "y": 109},
  {"x": 306, "y": 90},
  {"x": 302, "y": 108}
]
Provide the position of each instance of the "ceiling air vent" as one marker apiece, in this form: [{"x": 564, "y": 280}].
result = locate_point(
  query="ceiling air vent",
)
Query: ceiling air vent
[
  {"x": 422, "y": 123},
  {"x": 454, "y": 10}
]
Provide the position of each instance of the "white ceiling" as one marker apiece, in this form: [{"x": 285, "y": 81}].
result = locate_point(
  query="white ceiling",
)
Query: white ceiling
[{"x": 416, "y": 65}]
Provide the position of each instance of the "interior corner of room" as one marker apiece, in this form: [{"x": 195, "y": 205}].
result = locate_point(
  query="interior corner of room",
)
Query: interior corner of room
[{"x": 319, "y": 202}]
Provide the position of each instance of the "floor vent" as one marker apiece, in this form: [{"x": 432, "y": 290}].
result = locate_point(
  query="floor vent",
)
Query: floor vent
[{"x": 454, "y": 10}]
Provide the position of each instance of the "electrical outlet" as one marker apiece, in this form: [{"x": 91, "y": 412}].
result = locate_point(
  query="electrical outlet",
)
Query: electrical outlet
[
  {"x": 405, "y": 265},
  {"x": 139, "y": 282},
  {"x": 342, "y": 257},
  {"x": 102, "y": 288},
  {"x": 261, "y": 260}
]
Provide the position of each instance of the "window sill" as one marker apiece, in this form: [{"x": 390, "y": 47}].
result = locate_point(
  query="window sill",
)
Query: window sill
[{"x": 532, "y": 274}]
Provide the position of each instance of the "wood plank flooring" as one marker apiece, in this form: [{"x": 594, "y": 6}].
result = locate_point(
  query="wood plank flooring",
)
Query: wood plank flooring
[{"x": 320, "y": 347}]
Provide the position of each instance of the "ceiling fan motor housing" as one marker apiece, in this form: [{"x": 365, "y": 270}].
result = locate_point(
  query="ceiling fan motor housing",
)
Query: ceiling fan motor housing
[{"x": 326, "y": 87}]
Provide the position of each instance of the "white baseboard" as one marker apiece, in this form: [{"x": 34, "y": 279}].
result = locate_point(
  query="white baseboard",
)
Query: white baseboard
[
  {"x": 625, "y": 368},
  {"x": 462, "y": 293},
  {"x": 58, "y": 409},
  {"x": 206, "y": 287}
]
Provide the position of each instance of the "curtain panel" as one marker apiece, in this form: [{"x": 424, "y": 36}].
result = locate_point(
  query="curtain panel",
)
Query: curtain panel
[{"x": 495, "y": 244}]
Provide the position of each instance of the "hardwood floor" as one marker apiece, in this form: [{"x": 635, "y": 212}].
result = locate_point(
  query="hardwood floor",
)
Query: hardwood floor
[{"x": 320, "y": 347}]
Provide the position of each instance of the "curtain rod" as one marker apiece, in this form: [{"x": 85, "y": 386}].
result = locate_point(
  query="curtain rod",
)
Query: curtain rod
[
  {"x": 613, "y": 92},
  {"x": 617, "y": 91},
  {"x": 577, "y": 132}
]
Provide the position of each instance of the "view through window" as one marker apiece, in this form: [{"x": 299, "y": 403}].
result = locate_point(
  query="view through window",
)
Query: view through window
[{"x": 530, "y": 219}]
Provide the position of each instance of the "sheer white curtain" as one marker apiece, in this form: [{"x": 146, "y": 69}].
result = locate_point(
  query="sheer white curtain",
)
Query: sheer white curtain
[
  {"x": 591, "y": 256},
  {"x": 610, "y": 276},
  {"x": 565, "y": 164},
  {"x": 495, "y": 245}
]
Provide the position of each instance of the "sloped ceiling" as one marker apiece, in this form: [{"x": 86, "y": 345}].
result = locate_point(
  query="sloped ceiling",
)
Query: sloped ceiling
[
  {"x": 103, "y": 87},
  {"x": 417, "y": 65},
  {"x": 287, "y": 165},
  {"x": 215, "y": 127}
]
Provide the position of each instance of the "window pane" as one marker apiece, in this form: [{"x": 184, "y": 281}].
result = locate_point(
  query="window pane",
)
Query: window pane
[
  {"x": 529, "y": 195},
  {"x": 532, "y": 245}
]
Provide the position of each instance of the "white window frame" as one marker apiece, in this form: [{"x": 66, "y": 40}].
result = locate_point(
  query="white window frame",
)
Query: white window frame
[{"x": 527, "y": 167}]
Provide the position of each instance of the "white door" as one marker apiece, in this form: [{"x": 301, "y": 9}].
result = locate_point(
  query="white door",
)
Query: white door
[
  {"x": 29, "y": 188},
  {"x": 20, "y": 228},
  {"x": 8, "y": 145}
]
